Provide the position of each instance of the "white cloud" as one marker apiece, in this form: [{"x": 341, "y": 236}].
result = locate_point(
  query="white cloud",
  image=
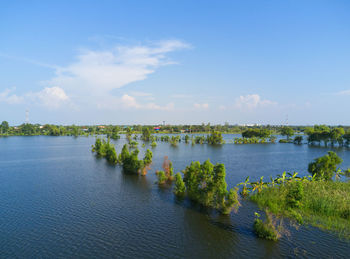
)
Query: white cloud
[
  {"x": 102, "y": 71},
  {"x": 252, "y": 101},
  {"x": 201, "y": 106},
  {"x": 129, "y": 101},
  {"x": 51, "y": 97},
  {"x": 90, "y": 79},
  {"x": 9, "y": 98}
]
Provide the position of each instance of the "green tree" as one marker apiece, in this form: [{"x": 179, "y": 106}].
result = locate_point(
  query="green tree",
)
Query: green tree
[
  {"x": 146, "y": 133},
  {"x": 287, "y": 131},
  {"x": 180, "y": 187},
  {"x": 4, "y": 127},
  {"x": 323, "y": 168},
  {"x": 298, "y": 140},
  {"x": 336, "y": 135},
  {"x": 215, "y": 138},
  {"x": 161, "y": 177}
]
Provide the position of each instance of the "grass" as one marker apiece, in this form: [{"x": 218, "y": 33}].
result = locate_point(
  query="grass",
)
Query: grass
[{"x": 323, "y": 204}]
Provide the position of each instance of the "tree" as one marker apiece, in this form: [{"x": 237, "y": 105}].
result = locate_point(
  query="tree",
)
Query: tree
[
  {"x": 287, "y": 131},
  {"x": 336, "y": 135},
  {"x": 4, "y": 127},
  {"x": 111, "y": 154},
  {"x": 215, "y": 138},
  {"x": 206, "y": 184},
  {"x": 131, "y": 163},
  {"x": 298, "y": 140},
  {"x": 147, "y": 161},
  {"x": 323, "y": 168},
  {"x": 146, "y": 133},
  {"x": 180, "y": 187}
]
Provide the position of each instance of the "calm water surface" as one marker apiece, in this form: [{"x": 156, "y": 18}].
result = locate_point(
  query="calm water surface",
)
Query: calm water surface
[{"x": 59, "y": 201}]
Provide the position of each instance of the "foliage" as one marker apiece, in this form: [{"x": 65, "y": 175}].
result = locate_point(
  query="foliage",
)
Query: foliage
[
  {"x": 267, "y": 229},
  {"x": 215, "y": 138},
  {"x": 161, "y": 177},
  {"x": 287, "y": 131},
  {"x": 147, "y": 161},
  {"x": 105, "y": 149},
  {"x": 153, "y": 144},
  {"x": 205, "y": 184},
  {"x": 175, "y": 140},
  {"x": 324, "y": 204},
  {"x": 259, "y": 133},
  {"x": 146, "y": 133},
  {"x": 295, "y": 194},
  {"x": 180, "y": 187},
  {"x": 298, "y": 140},
  {"x": 324, "y": 167},
  {"x": 285, "y": 141}
]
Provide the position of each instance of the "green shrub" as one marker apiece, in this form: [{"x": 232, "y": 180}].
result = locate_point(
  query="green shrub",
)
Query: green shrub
[
  {"x": 295, "y": 194},
  {"x": 265, "y": 229},
  {"x": 161, "y": 177},
  {"x": 180, "y": 188}
]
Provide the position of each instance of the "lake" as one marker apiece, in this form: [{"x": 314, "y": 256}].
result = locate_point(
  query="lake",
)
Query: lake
[{"x": 59, "y": 201}]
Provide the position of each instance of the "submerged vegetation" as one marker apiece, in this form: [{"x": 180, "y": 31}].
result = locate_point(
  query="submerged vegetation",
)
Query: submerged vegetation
[
  {"x": 206, "y": 184},
  {"x": 129, "y": 160},
  {"x": 321, "y": 199},
  {"x": 317, "y": 200}
]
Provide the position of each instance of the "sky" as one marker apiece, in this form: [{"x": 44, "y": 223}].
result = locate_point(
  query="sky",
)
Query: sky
[{"x": 178, "y": 61}]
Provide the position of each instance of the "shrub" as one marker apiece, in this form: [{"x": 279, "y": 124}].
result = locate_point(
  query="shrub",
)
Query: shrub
[
  {"x": 295, "y": 194},
  {"x": 324, "y": 167},
  {"x": 161, "y": 177},
  {"x": 265, "y": 229},
  {"x": 180, "y": 188}
]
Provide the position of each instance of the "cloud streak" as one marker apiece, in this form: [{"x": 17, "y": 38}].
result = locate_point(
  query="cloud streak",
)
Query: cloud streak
[{"x": 252, "y": 101}]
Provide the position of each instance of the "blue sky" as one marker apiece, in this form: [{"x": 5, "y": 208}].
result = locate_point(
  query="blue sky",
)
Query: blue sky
[{"x": 144, "y": 62}]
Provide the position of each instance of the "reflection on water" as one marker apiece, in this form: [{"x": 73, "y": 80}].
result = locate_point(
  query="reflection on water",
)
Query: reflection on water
[{"x": 59, "y": 200}]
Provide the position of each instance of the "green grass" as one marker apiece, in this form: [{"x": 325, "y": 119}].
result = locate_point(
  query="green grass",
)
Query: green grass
[{"x": 324, "y": 204}]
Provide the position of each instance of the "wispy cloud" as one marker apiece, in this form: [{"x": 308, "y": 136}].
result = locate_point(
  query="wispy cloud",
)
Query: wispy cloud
[
  {"x": 345, "y": 92},
  {"x": 252, "y": 101},
  {"x": 10, "y": 98},
  {"x": 90, "y": 79},
  {"x": 95, "y": 73}
]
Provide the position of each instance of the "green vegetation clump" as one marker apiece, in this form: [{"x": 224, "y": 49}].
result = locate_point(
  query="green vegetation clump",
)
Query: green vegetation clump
[
  {"x": 298, "y": 140},
  {"x": 206, "y": 184},
  {"x": 267, "y": 229},
  {"x": 285, "y": 141},
  {"x": 180, "y": 187},
  {"x": 324, "y": 204},
  {"x": 161, "y": 177},
  {"x": 287, "y": 131},
  {"x": 105, "y": 149},
  {"x": 174, "y": 141},
  {"x": 259, "y": 133},
  {"x": 316, "y": 199},
  {"x": 153, "y": 144},
  {"x": 215, "y": 138},
  {"x": 325, "y": 167}
]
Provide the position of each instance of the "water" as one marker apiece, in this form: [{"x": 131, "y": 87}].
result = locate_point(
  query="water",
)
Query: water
[{"x": 59, "y": 201}]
